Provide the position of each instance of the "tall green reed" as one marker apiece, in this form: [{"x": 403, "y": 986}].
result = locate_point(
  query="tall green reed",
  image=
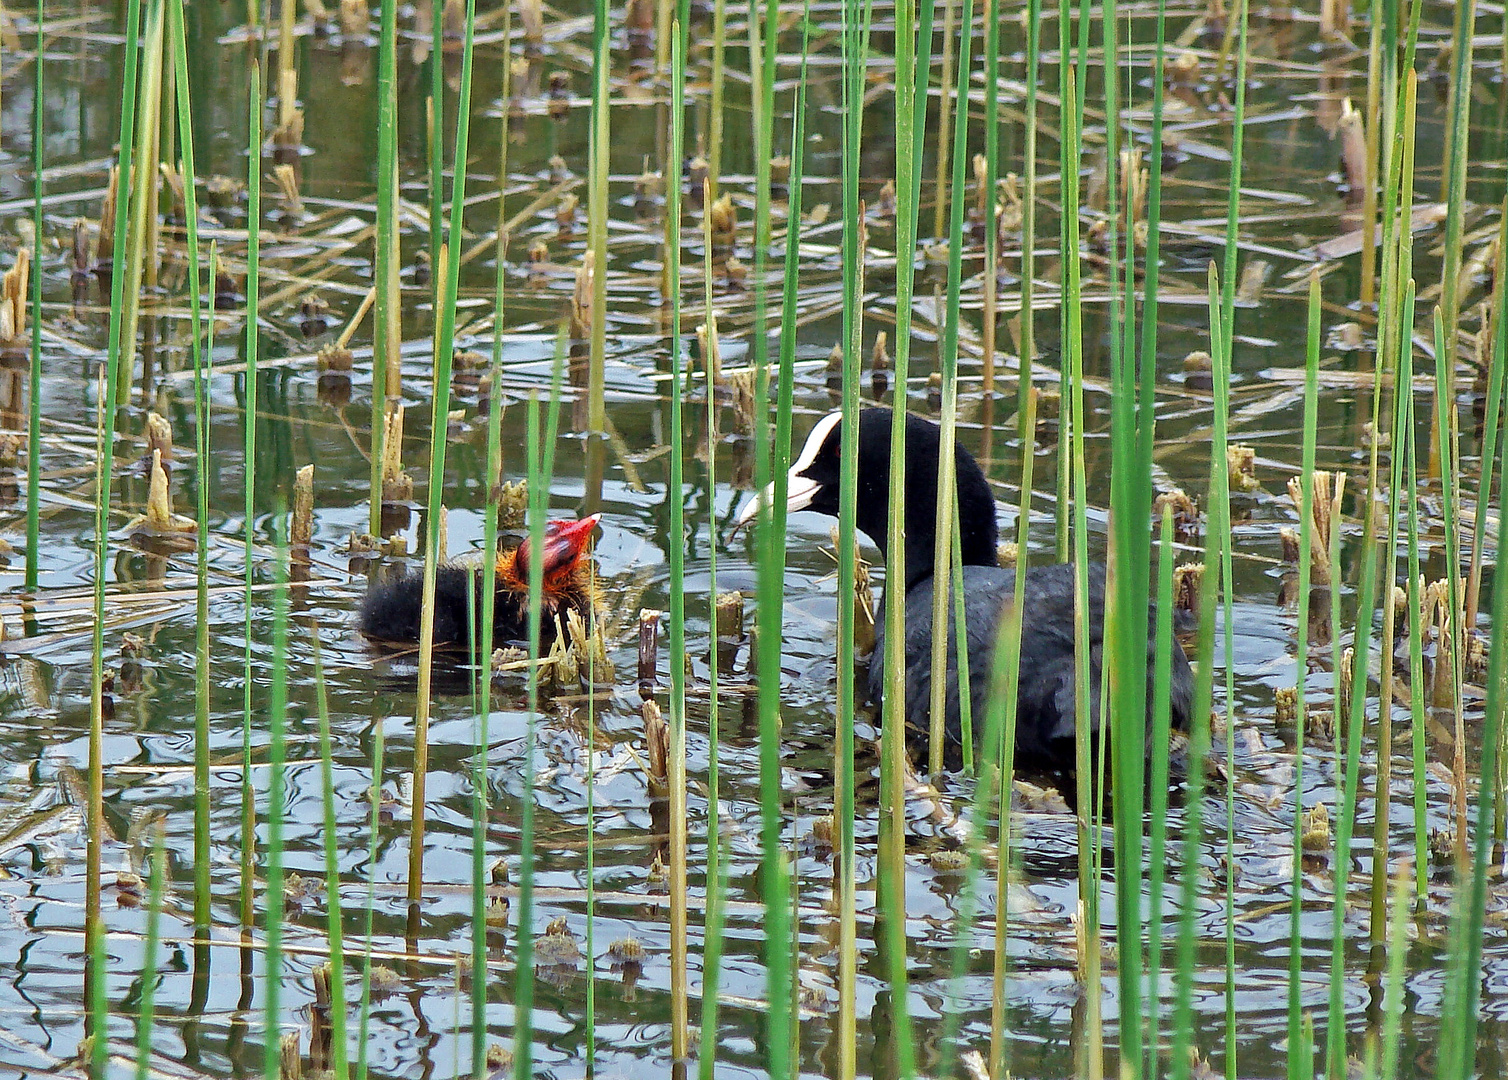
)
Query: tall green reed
[
  {"x": 492, "y": 480},
  {"x": 447, "y": 273},
  {"x": 540, "y": 469},
  {"x": 679, "y": 992},
  {"x": 34, "y": 392},
  {"x": 947, "y": 489},
  {"x": 147, "y": 1005},
  {"x": 94, "y": 928},
  {"x": 248, "y": 495},
  {"x": 334, "y": 914}
]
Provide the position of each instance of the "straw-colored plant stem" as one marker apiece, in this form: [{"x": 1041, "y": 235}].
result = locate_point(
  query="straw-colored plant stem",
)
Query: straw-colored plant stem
[
  {"x": 947, "y": 484},
  {"x": 597, "y": 220},
  {"x": 248, "y": 492},
  {"x": 198, "y": 354},
  {"x": 448, "y": 271},
  {"x": 1027, "y": 316},
  {"x": 1301, "y": 1064},
  {"x": 715, "y": 94},
  {"x": 386, "y": 355},
  {"x": 1493, "y": 406},
  {"x": 1449, "y": 459},
  {"x": 680, "y": 993},
  {"x": 277, "y": 707},
  {"x": 855, "y": 55},
  {"x": 1453, "y": 194},
  {"x": 143, "y": 188},
  {"x": 910, "y": 106},
  {"x": 34, "y": 383},
  {"x": 991, "y": 316},
  {"x": 944, "y": 115}
]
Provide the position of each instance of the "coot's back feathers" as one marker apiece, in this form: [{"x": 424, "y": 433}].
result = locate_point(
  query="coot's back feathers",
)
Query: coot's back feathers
[{"x": 1046, "y": 691}]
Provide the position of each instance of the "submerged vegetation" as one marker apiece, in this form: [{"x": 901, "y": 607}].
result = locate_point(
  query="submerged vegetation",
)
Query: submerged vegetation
[{"x": 301, "y": 299}]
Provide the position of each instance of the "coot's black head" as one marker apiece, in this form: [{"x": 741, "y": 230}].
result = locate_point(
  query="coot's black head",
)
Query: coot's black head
[{"x": 815, "y": 481}]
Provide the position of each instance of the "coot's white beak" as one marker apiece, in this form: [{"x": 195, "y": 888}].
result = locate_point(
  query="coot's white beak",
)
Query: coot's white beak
[{"x": 799, "y": 493}]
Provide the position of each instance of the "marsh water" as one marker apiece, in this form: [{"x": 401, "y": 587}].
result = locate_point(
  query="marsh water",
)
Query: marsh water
[{"x": 209, "y": 1015}]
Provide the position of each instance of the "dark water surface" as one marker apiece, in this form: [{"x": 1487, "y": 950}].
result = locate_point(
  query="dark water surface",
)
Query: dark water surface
[{"x": 213, "y": 1025}]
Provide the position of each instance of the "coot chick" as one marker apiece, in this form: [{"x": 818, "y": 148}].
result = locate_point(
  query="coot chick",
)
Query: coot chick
[
  {"x": 1046, "y": 696},
  {"x": 392, "y": 609}
]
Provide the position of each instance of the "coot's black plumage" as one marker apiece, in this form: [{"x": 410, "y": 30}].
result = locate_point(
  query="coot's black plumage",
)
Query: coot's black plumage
[
  {"x": 1046, "y": 693},
  {"x": 393, "y": 609}
]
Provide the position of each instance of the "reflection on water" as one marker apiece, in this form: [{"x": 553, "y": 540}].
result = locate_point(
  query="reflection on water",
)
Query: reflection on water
[{"x": 317, "y": 410}]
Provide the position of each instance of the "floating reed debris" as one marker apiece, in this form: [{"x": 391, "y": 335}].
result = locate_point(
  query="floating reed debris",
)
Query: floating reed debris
[
  {"x": 286, "y": 179},
  {"x": 581, "y": 297},
  {"x": 1241, "y": 462},
  {"x": 649, "y": 650},
  {"x": 1185, "y": 512},
  {"x": 657, "y": 742},
  {"x": 301, "y": 523},
  {"x": 14, "y": 300},
  {"x": 1326, "y": 493},
  {"x": 1352, "y": 132},
  {"x": 159, "y": 520}
]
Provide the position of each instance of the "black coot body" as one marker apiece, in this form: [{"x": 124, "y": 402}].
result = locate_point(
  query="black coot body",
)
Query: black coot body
[{"x": 1046, "y": 695}]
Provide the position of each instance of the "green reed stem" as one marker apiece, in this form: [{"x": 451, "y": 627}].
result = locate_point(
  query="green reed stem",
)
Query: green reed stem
[
  {"x": 492, "y": 480},
  {"x": 1301, "y": 1066},
  {"x": 146, "y": 1008},
  {"x": 198, "y": 354},
  {"x": 1217, "y": 538},
  {"x": 910, "y": 112},
  {"x": 374, "y": 830},
  {"x": 769, "y": 537},
  {"x": 947, "y": 484},
  {"x": 34, "y": 397},
  {"x": 248, "y": 486},
  {"x": 541, "y": 467},
  {"x": 1393, "y": 996},
  {"x": 679, "y": 1000},
  {"x": 334, "y": 917},
  {"x": 1458, "y": 1040},
  {"x": 447, "y": 274},
  {"x": 94, "y": 927},
  {"x": 1160, "y": 778}
]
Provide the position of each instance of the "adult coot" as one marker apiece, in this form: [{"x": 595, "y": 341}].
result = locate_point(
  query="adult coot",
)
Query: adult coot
[
  {"x": 392, "y": 609},
  {"x": 1046, "y": 697}
]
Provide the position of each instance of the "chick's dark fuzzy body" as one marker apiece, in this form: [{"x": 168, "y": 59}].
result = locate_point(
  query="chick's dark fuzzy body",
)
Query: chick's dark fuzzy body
[{"x": 393, "y": 609}]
